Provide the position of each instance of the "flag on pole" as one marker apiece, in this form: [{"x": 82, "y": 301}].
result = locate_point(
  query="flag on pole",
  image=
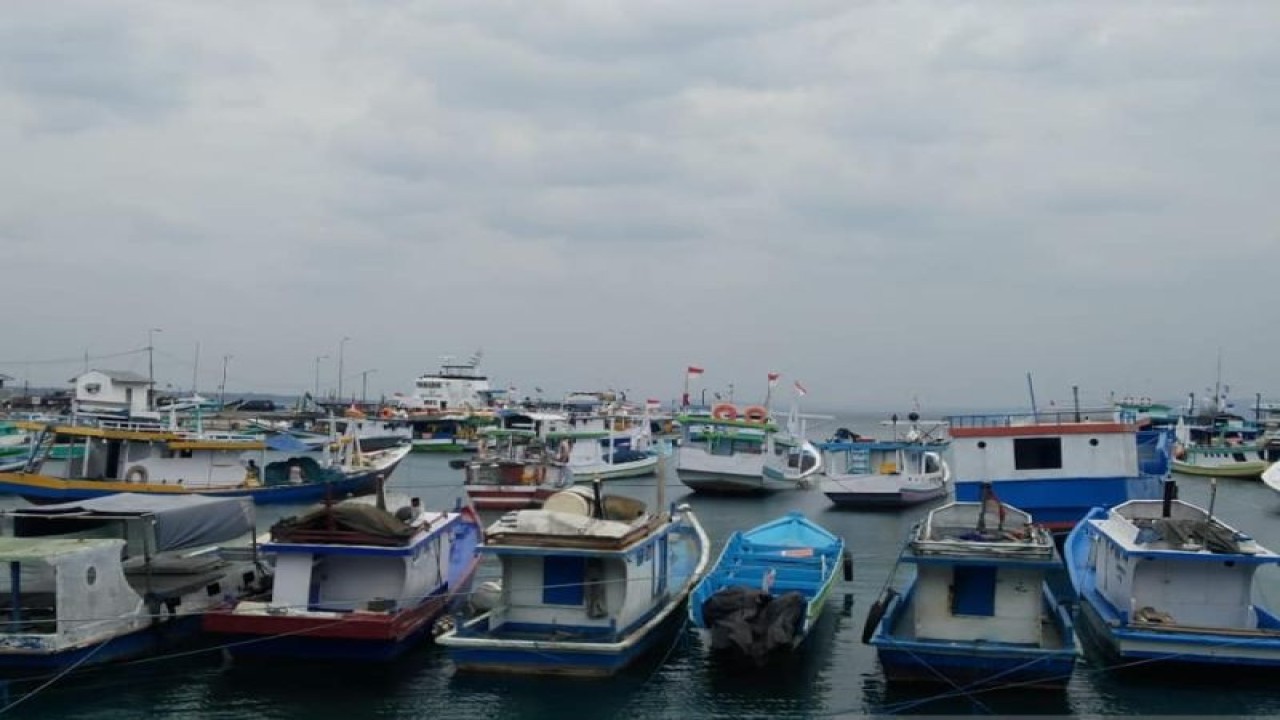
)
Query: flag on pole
[
  {"x": 694, "y": 371},
  {"x": 800, "y": 389},
  {"x": 773, "y": 379}
]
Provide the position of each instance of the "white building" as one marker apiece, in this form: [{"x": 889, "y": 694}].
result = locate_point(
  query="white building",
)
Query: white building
[{"x": 114, "y": 391}]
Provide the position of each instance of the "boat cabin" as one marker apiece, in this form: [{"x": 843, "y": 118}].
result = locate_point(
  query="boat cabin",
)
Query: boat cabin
[
  {"x": 980, "y": 571},
  {"x": 354, "y": 556},
  {"x": 1176, "y": 566},
  {"x": 1057, "y": 465},
  {"x": 111, "y": 391},
  {"x": 579, "y": 568}
]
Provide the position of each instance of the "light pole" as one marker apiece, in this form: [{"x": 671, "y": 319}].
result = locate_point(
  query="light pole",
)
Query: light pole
[
  {"x": 222, "y": 389},
  {"x": 342, "y": 346},
  {"x": 151, "y": 365},
  {"x": 364, "y": 384},
  {"x": 316, "y": 394},
  {"x": 151, "y": 358}
]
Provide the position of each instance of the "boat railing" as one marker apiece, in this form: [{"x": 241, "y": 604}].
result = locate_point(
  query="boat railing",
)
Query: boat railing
[
  {"x": 1056, "y": 416},
  {"x": 972, "y": 528},
  {"x": 1027, "y": 542}
]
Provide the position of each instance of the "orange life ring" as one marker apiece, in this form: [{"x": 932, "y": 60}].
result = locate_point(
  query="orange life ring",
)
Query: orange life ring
[
  {"x": 756, "y": 413},
  {"x": 387, "y": 412},
  {"x": 724, "y": 411}
]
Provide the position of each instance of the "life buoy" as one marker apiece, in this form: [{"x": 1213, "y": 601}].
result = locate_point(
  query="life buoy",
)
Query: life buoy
[
  {"x": 876, "y": 614},
  {"x": 136, "y": 474},
  {"x": 756, "y": 413},
  {"x": 724, "y": 411},
  {"x": 386, "y": 413}
]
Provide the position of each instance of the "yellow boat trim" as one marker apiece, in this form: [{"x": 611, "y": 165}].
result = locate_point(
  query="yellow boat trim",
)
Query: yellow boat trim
[{"x": 53, "y": 483}]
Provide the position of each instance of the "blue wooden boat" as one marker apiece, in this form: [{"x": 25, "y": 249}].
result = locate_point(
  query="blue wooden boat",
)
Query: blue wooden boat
[
  {"x": 590, "y": 584},
  {"x": 979, "y": 614},
  {"x": 768, "y": 587},
  {"x": 1163, "y": 584}
]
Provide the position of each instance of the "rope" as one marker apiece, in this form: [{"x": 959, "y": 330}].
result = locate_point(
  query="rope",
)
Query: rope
[{"x": 70, "y": 668}]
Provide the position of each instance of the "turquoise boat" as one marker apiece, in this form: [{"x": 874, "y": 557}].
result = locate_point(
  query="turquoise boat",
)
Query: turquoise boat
[{"x": 768, "y": 588}]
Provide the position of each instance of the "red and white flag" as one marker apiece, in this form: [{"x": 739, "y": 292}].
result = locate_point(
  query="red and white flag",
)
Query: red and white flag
[
  {"x": 773, "y": 379},
  {"x": 694, "y": 371},
  {"x": 653, "y": 404},
  {"x": 800, "y": 389}
]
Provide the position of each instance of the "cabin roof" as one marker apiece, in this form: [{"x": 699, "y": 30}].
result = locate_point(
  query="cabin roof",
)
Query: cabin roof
[
  {"x": 18, "y": 549},
  {"x": 121, "y": 376}
]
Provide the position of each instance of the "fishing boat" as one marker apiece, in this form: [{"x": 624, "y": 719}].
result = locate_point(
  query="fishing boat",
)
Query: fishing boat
[
  {"x": 512, "y": 470},
  {"x": 732, "y": 452},
  {"x": 904, "y": 471},
  {"x": 353, "y": 582},
  {"x": 1058, "y": 465},
  {"x": 1165, "y": 584},
  {"x": 590, "y": 584},
  {"x": 118, "y": 577},
  {"x": 979, "y": 613},
  {"x": 607, "y": 453},
  {"x": 768, "y": 588},
  {"x": 120, "y": 456},
  {"x": 450, "y": 432},
  {"x": 1221, "y": 445}
]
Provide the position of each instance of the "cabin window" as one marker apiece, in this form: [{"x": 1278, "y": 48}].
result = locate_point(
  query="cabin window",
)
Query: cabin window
[
  {"x": 973, "y": 591},
  {"x": 1037, "y": 453},
  {"x": 562, "y": 578},
  {"x": 931, "y": 464}
]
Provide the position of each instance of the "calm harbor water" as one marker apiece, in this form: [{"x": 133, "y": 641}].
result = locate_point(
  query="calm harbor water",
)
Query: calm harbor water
[{"x": 835, "y": 674}]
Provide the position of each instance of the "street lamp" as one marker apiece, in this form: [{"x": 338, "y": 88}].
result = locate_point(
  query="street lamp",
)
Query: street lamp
[
  {"x": 316, "y": 394},
  {"x": 222, "y": 389},
  {"x": 364, "y": 384},
  {"x": 341, "y": 350}
]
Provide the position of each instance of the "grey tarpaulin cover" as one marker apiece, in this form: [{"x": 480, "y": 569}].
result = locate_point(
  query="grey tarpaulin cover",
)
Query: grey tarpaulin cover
[
  {"x": 752, "y": 624},
  {"x": 181, "y": 521}
]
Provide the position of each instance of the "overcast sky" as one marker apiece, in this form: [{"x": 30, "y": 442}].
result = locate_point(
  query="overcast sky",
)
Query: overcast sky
[{"x": 884, "y": 200}]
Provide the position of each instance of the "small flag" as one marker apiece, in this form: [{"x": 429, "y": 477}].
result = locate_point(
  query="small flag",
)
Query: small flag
[
  {"x": 773, "y": 379},
  {"x": 694, "y": 371},
  {"x": 800, "y": 389}
]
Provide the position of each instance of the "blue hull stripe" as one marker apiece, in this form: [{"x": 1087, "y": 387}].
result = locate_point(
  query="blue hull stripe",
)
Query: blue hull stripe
[{"x": 1061, "y": 500}]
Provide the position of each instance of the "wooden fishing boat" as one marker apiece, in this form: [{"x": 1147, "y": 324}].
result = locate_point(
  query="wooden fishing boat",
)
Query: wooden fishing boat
[
  {"x": 123, "y": 456},
  {"x": 119, "y": 577},
  {"x": 768, "y": 588},
  {"x": 590, "y": 584},
  {"x": 1165, "y": 584},
  {"x": 979, "y": 613},
  {"x": 354, "y": 582}
]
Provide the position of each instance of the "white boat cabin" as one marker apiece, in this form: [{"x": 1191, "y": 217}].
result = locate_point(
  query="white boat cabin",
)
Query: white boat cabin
[
  {"x": 1167, "y": 570},
  {"x": 1012, "y": 447},
  {"x": 111, "y": 391},
  {"x": 566, "y": 572},
  {"x": 980, "y": 576},
  {"x": 374, "y": 563}
]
